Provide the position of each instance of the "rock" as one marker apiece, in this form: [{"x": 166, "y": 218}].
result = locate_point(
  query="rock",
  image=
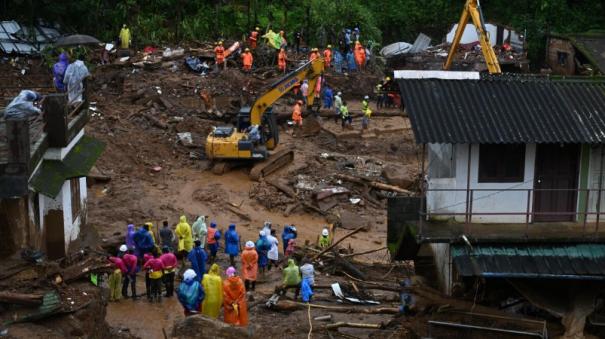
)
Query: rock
[
  {"x": 198, "y": 326},
  {"x": 351, "y": 221},
  {"x": 399, "y": 176}
]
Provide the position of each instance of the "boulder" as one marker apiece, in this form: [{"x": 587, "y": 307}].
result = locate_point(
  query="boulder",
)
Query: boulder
[
  {"x": 351, "y": 221},
  {"x": 400, "y": 176},
  {"x": 199, "y": 326}
]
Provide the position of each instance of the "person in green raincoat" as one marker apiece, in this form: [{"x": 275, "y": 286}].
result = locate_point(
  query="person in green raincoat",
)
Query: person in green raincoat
[
  {"x": 213, "y": 285},
  {"x": 292, "y": 278},
  {"x": 200, "y": 230}
]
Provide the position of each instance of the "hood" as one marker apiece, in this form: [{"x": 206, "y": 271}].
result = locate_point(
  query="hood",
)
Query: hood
[
  {"x": 213, "y": 224},
  {"x": 291, "y": 263},
  {"x": 150, "y": 225},
  {"x": 183, "y": 219},
  {"x": 63, "y": 58},
  {"x": 232, "y": 227},
  {"x": 214, "y": 269},
  {"x": 189, "y": 276},
  {"x": 130, "y": 228}
]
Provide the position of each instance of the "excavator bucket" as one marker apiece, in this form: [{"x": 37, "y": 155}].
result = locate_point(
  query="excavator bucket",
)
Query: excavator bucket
[{"x": 272, "y": 164}]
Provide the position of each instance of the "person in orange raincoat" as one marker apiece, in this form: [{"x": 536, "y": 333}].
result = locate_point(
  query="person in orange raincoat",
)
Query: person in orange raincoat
[
  {"x": 360, "y": 55},
  {"x": 328, "y": 56},
  {"x": 219, "y": 55},
  {"x": 249, "y": 266},
  {"x": 282, "y": 57},
  {"x": 297, "y": 113},
  {"x": 253, "y": 38},
  {"x": 234, "y": 299},
  {"x": 314, "y": 54},
  {"x": 247, "y": 60}
]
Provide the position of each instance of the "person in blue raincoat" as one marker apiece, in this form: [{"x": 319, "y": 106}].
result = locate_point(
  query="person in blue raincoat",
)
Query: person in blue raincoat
[
  {"x": 59, "y": 72},
  {"x": 197, "y": 257},
  {"x": 232, "y": 244},
  {"x": 262, "y": 248},
  {"x": 190, "y": 293},
  {"x": 328, "y": 97},
  {"x": 143, "y": 241},
  {"x": 351, "y": 65},
  {"x": 288, "y": 233}
]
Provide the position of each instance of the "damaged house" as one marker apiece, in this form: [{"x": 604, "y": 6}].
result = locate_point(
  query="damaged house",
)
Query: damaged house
[
  {"x": 43, "y": 168},
  {"x": 513, "y": 201},
  {"x": 576, "y": 54}
]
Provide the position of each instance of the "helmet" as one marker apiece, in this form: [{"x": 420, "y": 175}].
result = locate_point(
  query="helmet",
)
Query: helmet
[
  {"x": 379, "y": 86},
  {"x": 123, "y": 248},
  {"x": 300, "y": 102},
  {"x": 366, "y": 97},
  {"x": 258, "y": 29},
  {"x": 329, "y": 46},
  {"x": 388, "y": 79},
  {"x": 220, "y": 42},
  {"x": 357, "y": 42},
  {"x": 325, "y": 232},
  {"x": 249, "y": 244},
  {"x": 247, "y": 50},
  {"x": 339, "y": 93},
  {"x": 281, "y": 32}
]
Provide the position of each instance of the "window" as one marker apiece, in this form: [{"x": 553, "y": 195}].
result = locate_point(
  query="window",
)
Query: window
[
  {"x": 562, "y": 58},
  {"x": 74, "y": 184},
  {"x": 442, "y": 161},
  {"x": 501, "y": 163}
]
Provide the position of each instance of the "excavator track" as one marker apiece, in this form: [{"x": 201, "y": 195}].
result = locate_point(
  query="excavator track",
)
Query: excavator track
[{"x": 272, "y": 164}]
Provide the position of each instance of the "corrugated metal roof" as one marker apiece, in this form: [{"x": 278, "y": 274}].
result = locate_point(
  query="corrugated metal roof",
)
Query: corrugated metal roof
[
  {"x": 565, "y": 261},
  {"x": 15, "y": 38},
  {"x": 505, "y": 109}
]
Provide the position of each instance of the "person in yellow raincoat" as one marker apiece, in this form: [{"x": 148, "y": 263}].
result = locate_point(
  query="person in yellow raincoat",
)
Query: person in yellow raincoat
[
  {"x": 125, "y": 38},
  {"x": 183, "y": 232},
  {"x": 213, "y": 286}
]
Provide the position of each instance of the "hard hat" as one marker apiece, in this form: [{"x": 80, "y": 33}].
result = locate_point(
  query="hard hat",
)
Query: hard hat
[
  {"x": 220, "y": 42},
  {"x": 366, "y": 97},
  {"x": 123, "y": 248},
  {"x": 329, "y": 46},
  {"x": 281, "y": 32},
  {"x": 247, "y": 50},
  {"x": 379, "y": 85},
  {"x": 249, "y": 244},
  {"x": 325, "y": 232},
  {"x": 300, "y": 102},
  {"x": 258, "y": 29},
  {"x": 339, "y": 93},
  {"x": 388, "y": 78},
  {"x": 293, "y": 228}
]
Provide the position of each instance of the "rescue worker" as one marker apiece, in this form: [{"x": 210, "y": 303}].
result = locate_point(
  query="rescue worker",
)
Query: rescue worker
[
  {"x": 125, "y": 38},
  {"x": 304, "y": 91},
  {"x": 262, "y": 248},
  {"x": 167, "y": 236},
  {"x": 386, "y": 87},
  {"x": 130, "y": 231},
  {"x": 284, "y": 41},
  {"x": 234, "y": 299},
  {"x": 290, "y": 249},
  {"x": 155, "y": 268},
  {"x": 345, "y": 116},
  {"x": 74, "y": 76},
  {"x": 150, "y": 229},
  {"x": 183, "y": 233},
  {"x": 253, "y": 37},
  {"x": 213, "y": 286},
  {"x": 250, "y": 263},
  {"x": 282, "y": 57},
  {"x": 360, "y": 56},
  {"x": 324, "y": 240},
  {"x": 367, "y": 112},
  {"x": 219, "y": 56},
  {"x": 273, "y": 253},
  {"x": 131, "y": 263},
  {"x": 379, "y": 96},
  {"x": 297, "y": 113},
  {"x": 328, "y": 97},
  {"x": 247, "y": 60},
  {"x": 170, "y": 263},
  {"x": 232, "y": 244},
  {"x": 190, "y": 293},
  {"x": 59, "y": 72},
  {"x": 214, "y": 236},
  {"x": 197, "y": 257},
  {"x": 337, "y": 104},
  {"x": 308, "y": 280},
  {"x": 115, "y": 279},
  {"x": 288, "y": 234},
  {"x": 291, "y": 279},
  {"x": 314, "y": 54},
  {"x": 143, "y": 241},
  {"x": 328, "y": 56},
  {"x": 200, "y": 230}
]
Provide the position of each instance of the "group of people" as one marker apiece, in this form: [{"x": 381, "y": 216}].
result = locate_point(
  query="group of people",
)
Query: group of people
[{"x": 188, "y": 249}]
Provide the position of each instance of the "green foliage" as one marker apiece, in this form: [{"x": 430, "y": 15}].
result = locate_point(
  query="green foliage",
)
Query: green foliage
[{"x": 383, "y": 21}]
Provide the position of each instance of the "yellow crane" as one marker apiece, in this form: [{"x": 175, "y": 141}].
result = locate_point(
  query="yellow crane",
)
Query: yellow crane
[
  {"x": 256, "y": 132},
  {"x": 472, "y": 10}
]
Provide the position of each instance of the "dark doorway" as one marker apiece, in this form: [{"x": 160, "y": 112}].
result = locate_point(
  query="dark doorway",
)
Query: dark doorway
[
  {"x": 55, "y": 235},
  {"x": 556, "y": 168}
]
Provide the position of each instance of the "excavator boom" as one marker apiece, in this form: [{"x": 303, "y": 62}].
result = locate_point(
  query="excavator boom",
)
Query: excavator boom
[{"x": 472, "y": 10}]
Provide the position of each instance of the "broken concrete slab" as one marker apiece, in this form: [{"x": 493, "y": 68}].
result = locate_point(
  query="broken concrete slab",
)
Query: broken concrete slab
[
  {"x": 400, "y": 176},
  {"x": 351, "y": 221}
]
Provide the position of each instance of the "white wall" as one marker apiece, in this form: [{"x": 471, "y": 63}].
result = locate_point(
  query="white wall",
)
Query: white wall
[
  {"x": 484, "y": 201},
  {"x": 443, "y": 265},
  {"x": 593, "y": 183}
]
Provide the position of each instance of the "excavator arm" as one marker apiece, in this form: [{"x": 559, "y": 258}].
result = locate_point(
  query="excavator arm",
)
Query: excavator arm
[
  {"x": 310, "y": 71},
  {"x": 472, "y": 10}
]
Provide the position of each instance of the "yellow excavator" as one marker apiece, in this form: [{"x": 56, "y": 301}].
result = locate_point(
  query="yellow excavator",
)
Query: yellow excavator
[
  {"x": 256, "y": 132},
  {"x": 472, "y": 10}
]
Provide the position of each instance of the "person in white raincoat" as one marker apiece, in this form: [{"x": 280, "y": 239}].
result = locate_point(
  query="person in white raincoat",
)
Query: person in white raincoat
[
  {"x": 200, "y": 230},
  {"x": 273, "y": 253},
  {"x": 74, "y": 75}
]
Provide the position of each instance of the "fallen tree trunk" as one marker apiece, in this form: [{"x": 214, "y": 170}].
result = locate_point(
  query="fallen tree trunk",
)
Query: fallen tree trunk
[
  {"x": 374, "y": 184},
  {"x": 290, "y": 306},
  {"x": 21, "y": 298},
  {"x": 362, "y": 253},
  {"x": 346, "y": 266},
  {"x": 346, "y": 324},
  {"x": 329, "y": 248},
  {"x": 287, "y": 190}
]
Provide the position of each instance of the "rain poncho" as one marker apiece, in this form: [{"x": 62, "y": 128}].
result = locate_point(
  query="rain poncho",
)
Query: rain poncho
[
  {"x": 198, "y": 257},
  {"x": 200, "y": 230},
  {"x": 75, "y": 73},
  {"x": 351, "y": 66},
  {"x": 22, "y": 106},
  {"x": 232, "y": 241},
  {"x": 262, "y": 247},
  {"x": 234, "y": 301},
  {"x": 183, "y": 232},
  {"x": 274, "y": 251},
  {"x": 286, "y": 236},
  {"x": 143, "y": 241},
  {"x": 249, "y": 263},
  {"x": 130, "y": 236},
  {"x": 213, "y": 285},
  {"x": 308, "y": 272},
  {"x": 291, "y": 274},
  {"x": 125, "y": 37},
  {"x": 59, "y": 72},
  {"x": 338, "y": 60},
  {"x": 328, "y": 97},
  {"x": 324, "y": 241},
  {"x": 306, "y": 290},
  {"x": 190, "y": 293},
  {"x": 273, "y": 39}
]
